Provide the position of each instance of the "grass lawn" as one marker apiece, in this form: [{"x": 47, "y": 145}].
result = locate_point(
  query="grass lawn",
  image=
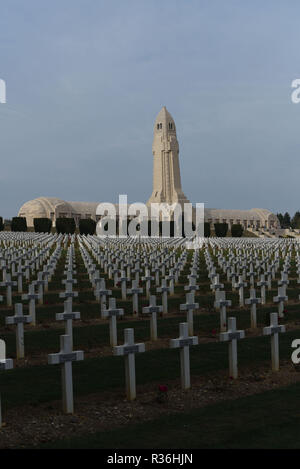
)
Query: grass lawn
[{"x": 43, "y": 384}]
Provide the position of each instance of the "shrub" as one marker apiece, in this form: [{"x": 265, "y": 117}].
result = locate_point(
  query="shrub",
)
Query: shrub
[
  {"x": 206, "y": 230},
  {"x": 1, "y": 224},
  {"x": 237, "y": 231},
  {"x": 87, "y": 226},
  {"x": 65, "y": 225},
  {"x": 18, "y": 224},
  {"x": 221, "y": 229},
  {"x": 7, "y": 225},
  {"x": 42, "y": 225}
]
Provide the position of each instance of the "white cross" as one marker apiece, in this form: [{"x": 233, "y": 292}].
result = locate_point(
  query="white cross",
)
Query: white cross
[
  {"x": 123, "y": 279},
  {"x": 268, "y": 272},
  {"x": 283, "y": 282},
  {"x": 184, "y": 341},
  {"x": 8, "y": 283},
  {"x": 20, "y": 279},
  {"x": 262, "y": 284},
  {"x": 280, "y": 299},
  {"x": 96, "y": 284},
  {"x": 189, "y": 307},
  {"x": 103, "y": 293},
  {"x": 129, "y": 349},
  {"x": 156, "y": 270},
  {"x": 273, "y": 331},
  {"x": 115, "y": 274},
  {"x": 147, "y": 279},
  {"x": 69, "y": 294},
  {"x": 171, "y": 278},
  {"x": 45, "y": 276},
  {"x": 112, "y": 313},
  {"x": 69, "y": 279},
  {"x": 240, "y": 285},
  {"x": 135, "y": 291},
  {"x": 191, "y": 287},
  {"x": 137, "y": 271},
  {"x": 164, "y": 290},
  {"x": 31, "y": 296},
  {"x": 298, "y": 272},
  {"x": 65, "y": 358},
  {"x": 231, "y": 336},
  {"x": 251, "y": 275},
  {"x": 5, "y": 364},
  {"x": 216, "y": 285},
  {"x": 153, "y": 309},
  {"x": 19, "y": 320},
  {"x": 68, "y": 316},
  {"x": 40, "y": 282},
  {"x": 221, "y": 303},
  {"x": 253, "y": 301}
]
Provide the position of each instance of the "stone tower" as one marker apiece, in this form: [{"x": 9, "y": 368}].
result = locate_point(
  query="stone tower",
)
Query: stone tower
[{"x": 166, "y": 171}]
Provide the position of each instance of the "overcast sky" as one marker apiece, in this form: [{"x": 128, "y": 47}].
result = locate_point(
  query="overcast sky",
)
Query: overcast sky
[{"x": 86, "y": 78}]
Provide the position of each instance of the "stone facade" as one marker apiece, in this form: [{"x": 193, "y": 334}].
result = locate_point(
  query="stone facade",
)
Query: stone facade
[
  {"x": 166, "y": 171},
  {"x": 166, "y": 189}
]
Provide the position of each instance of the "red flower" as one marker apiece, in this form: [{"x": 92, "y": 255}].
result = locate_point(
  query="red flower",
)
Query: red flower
[
  {"x": 46, "y": 302},
  {"x": 214, "y": 331},
  {"x": 163, "y": 388}
]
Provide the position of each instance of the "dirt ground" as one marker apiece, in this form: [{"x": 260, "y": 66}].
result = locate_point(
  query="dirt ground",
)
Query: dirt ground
[{"x": 33, "y": 425}]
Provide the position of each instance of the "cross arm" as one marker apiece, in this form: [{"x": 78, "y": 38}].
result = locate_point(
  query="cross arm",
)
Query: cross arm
[
  {"x": 271, "y": 330},
  {"x": 65, "y": 316},
  {"x": 57, "y": 358},
  {"x": 179, "y": 342},
  {"x": 126, "y": 349},
  {"x": 6, "y": 364}
]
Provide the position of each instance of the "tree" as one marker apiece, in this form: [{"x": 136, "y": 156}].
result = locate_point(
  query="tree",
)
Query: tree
[
  {"x": 65, "y": 225},
  {"x": 237, "y": 231},
  {"x": 295, "y": 223},
  {"x": 280, "y": 218},
  {"x": 206, "y": 230},
  {"x": 87, "y": 226},
  {"x": 42, "y": 225},
  {"x": 221, "y": 229},
  {"x": 19, "y": 224},
  {"x": 286, "y": 220},
  {"x": 1, "y": 224}
]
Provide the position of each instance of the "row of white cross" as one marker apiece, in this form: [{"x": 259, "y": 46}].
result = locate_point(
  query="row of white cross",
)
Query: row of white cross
[{"x": 129, "y": 348}]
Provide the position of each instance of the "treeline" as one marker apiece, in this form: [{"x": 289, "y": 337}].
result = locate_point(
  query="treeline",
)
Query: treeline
[
  {"x": 88, "y": 226},
  {"x": 44, "y": 225},
  {"x": 286, "y": 221},
  {"x": 221, "y": 230}
]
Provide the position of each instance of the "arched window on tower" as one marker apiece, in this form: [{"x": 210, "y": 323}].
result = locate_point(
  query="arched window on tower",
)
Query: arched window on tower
[
  {"x": 170, "y": 125},
  {"x": 160, "y": 126},
  {"x": 157, "y": 126}
]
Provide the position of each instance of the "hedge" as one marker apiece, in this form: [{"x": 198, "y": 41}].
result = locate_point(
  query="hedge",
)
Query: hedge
[
  {"x": 42, "y": 225},
  {"x": 18, "y": 224},
  {"x": 237, "y": 231},
  {"x": 221, "y": 229},
  {"x": 206, "y": 230},
  {"x": 65, "y": 225},
  {"x": 87, "y": 226}
]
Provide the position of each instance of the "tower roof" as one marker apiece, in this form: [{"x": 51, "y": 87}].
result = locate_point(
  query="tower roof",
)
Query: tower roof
[{"x": 164, "y": 121}]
